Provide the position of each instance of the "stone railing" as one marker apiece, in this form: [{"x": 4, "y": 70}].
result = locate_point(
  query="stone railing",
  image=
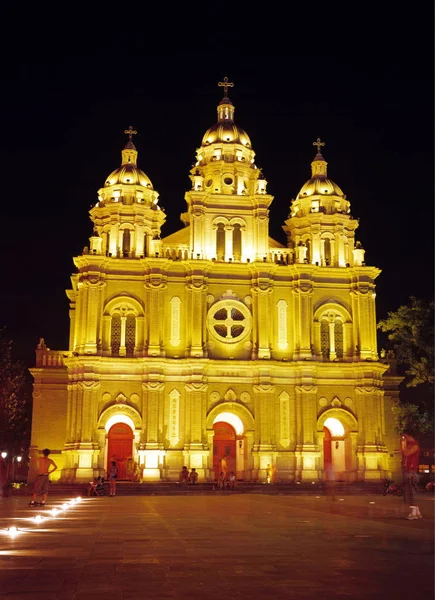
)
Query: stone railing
[{"x": 50, "y": 358}]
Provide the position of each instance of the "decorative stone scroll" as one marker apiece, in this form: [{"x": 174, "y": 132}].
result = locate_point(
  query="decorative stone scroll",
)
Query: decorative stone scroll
[
  {"x": 175, "y": 321},
  {"x": 174, "y": 417},
  {"x": 282, "y": 324},
  {"x": 284, "y": 415}
]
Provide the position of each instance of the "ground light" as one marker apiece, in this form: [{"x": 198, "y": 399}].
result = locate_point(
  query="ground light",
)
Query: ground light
[
  {"x": 37, "y": 519},
  {"x": 13, "y": 531}
]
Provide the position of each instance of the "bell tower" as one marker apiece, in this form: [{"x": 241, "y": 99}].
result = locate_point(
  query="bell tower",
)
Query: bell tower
[
  {"x": 320, "y": 227},
  {"x": 127, "y": 218},
  {"x": 228, "y": 206}
]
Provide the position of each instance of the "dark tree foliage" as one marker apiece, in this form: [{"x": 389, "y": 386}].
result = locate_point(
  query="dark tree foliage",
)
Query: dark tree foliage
[
  {"x": 15, "y": 399},
  {"x": 410, "y": 334}
]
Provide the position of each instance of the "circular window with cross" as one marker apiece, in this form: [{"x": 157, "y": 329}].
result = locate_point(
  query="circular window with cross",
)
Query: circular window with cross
[{"x": 229, "y": 321}]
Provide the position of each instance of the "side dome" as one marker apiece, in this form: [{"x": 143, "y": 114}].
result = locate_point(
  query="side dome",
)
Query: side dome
[{"x": 128, "y": 173}]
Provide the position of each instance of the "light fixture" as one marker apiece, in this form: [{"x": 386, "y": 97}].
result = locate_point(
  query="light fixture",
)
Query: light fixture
[
  {"x": 19, "y": 458},
  {"x": 4, "y": 454}
]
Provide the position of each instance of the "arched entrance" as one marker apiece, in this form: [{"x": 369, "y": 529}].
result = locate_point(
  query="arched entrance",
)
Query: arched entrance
[
  {"x": 120, "y": 447},
  {"x": 224, "y": 448},
  {"x": 334, "y": 463}
]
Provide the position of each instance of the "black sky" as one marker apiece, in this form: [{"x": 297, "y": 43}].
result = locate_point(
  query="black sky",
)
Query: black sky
[{"x": 63, "y": 120}]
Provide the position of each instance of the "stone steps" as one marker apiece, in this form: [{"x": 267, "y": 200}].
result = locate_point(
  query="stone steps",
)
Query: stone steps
[{"x": 128, "y": 488}]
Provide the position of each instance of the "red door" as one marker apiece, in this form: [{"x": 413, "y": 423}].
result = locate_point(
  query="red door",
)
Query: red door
[
  {"x": 224, "y": 448},
  {"x": 120, "y": 447},
  {"x": 327, "y": 454}
]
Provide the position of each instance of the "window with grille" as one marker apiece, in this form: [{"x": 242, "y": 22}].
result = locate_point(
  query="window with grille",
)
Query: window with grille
[
  {"x": 324, "y": 339},
  {"x": 338, "y": 333},
  {"x": 115, "y": 334},
  {"x": 130, "y": 334}
]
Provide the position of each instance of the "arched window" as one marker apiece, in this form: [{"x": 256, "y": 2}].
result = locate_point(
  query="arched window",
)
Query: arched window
[
  {"x": 237, "y": 242},
  {"x": 328, "y": 251},
  {"x": 126, "y": 241},
  {"x": 115, "y": 334},
  {"x": 308, "y": 245},
  {"x": 331, "y": 336},
  {"x": 145, "y": 245},
  {"x": 123, "y": 330},
  {"x": 338, "y": 333},
  {"x": 220, "y": 242},
  {"x": 130, "y": 334},
  {"x": 324, "y": 339}
]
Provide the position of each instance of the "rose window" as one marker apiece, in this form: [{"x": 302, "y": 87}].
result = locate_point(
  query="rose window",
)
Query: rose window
[{"x": 229, "y": 321}]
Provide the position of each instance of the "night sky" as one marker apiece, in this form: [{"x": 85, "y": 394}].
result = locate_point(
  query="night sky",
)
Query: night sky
[{"x": 63, "y": 121}]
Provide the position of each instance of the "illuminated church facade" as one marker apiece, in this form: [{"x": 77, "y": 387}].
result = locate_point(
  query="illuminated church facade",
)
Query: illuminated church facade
[{"x": 217, "y": 344}]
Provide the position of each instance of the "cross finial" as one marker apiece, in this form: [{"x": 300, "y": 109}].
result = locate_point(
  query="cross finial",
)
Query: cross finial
[
  {"x": 225, "y": 84},
  {"x": 131, "y": 132},
  {"x": 319, "y": 144}
]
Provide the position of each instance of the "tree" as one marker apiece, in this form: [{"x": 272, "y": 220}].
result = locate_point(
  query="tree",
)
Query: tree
[
  {"x": 410, "y": 336},
  {"x": 15, "y": 399}
]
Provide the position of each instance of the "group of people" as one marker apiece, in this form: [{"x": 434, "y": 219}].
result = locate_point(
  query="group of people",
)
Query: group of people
[
  {"x": 227, "y": 481},
  {"x": 96, "y": 487},
  {"x": 188, "y": 478}
]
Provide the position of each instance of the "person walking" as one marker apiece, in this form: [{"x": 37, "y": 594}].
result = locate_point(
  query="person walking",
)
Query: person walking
[
  {"x": 46, "y": 466},
  {"x": 112, "y": 476},
  {"x": 410, "y": 462}
]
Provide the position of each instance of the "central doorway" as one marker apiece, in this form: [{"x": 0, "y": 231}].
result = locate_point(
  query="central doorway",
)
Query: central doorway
[
  {"x": 224, "y": 448},
  {"x": 120, "y": 447},
  {"x": 333, "y": 450}
]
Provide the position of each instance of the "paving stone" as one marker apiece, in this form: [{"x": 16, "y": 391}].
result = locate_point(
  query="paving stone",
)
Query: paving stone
[{"x": 246, "y": 547}]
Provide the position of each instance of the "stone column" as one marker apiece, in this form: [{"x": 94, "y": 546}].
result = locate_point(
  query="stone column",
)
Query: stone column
[
  {"x": 154, "y": 401},
  {"x": 304, "y": 291},
  {"x": 156, "y": 286},
  {"x": 310, "y": 454},
  {"x": 264, "y": 403},
  {"x": 262, "y": 293},
  {"x": 197, "y": 290},
  {"x": 196, "y": 393}
]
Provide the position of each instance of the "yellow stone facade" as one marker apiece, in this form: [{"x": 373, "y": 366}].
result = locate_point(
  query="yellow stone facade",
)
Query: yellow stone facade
[{"x": 219, "y": 323}]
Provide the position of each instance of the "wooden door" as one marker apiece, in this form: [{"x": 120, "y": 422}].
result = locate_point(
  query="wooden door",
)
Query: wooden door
[
  {"x": 120, "y": 448},
  {"x": 327, "y": 455},
  {"x": 224, "y": 448}
]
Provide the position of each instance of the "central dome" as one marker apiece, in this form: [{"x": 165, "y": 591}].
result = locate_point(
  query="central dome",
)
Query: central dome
[{"x": 225, "y": 130}]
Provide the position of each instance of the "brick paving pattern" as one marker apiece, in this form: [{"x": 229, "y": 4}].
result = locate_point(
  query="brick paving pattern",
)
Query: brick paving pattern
[{"x": 218, "y": 546}]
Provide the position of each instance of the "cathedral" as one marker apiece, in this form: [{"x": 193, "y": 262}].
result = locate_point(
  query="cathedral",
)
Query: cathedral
[{"x": 217, "y": 344}]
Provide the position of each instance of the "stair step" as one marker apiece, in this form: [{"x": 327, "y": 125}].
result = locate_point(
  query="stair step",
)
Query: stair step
[{"x": 128, "y": 488}]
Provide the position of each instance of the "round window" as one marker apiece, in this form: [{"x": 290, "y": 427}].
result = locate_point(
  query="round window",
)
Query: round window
[
  {"x": 228, "y": 180},
  {"x": 209, "y": 183},
  {"x": 229, "y": 321}
]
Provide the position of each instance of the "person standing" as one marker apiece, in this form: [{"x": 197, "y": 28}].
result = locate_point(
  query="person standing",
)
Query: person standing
[
  {"x": 112, "y": 476},
  {"x": 410, "y": 462},
  {"x": 46, "y": 466}
]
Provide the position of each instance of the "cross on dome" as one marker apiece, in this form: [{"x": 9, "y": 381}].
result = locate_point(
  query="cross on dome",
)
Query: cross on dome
[
  {"x": 225, "y": 84},
  {"x": 319, "y": 144},
  {"x": 130, "y": 132}
]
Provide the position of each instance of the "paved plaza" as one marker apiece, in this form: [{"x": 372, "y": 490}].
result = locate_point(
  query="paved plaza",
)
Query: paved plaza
[{"x": 217, "y": 546}]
